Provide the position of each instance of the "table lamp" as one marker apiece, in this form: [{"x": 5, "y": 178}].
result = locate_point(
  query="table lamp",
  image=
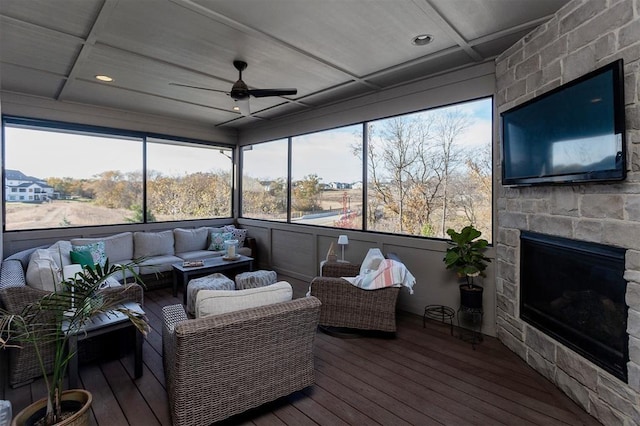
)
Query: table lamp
[{"x": 343, "y": 240}]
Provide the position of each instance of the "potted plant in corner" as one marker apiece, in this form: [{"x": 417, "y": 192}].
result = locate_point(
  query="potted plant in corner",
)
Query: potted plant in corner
[
  {"x": 466, "y": 257},
  {"x": 41, "y": 323}
]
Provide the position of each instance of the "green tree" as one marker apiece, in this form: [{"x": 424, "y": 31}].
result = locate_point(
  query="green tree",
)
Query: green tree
[{"x": 306, "y": 194}]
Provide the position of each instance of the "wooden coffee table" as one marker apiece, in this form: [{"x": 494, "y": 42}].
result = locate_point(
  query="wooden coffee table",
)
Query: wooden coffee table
[{"x": 215, "y": 264}]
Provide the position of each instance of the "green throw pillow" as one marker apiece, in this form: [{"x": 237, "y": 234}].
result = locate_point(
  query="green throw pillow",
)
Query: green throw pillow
[
  {"x": 97, "y": 251},
  {"x": 83, "y": 258}
]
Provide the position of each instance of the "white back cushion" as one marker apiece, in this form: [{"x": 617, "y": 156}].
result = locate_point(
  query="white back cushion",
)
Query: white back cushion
[
  {"x": 190, "y": 239},
  {"x": 116, "y": 247},
  {"x": 147, "y": 244},
  {"x": 216, "y": 302}
]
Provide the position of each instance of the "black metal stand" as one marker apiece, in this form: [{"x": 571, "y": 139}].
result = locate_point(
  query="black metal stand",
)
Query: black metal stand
[
  {"x": 470, "y": 325},
  {"x": 439, "y": 313}
]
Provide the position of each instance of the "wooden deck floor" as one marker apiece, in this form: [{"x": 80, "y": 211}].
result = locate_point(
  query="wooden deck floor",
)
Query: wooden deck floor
[{"x": 422, "y": 377}]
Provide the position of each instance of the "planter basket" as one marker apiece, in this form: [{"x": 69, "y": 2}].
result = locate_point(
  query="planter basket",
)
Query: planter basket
[
  {"x": 80, "y": 397},
  {"x": 471, "y": 297}
]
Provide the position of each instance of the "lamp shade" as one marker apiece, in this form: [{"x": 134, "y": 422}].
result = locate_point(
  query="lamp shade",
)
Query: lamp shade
[{"x": 343, "y": 240}]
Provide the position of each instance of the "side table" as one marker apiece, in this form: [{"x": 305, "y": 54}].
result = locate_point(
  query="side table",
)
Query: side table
[
  {"x": 472, "y": 318},
  {"x": 440, "y": 313},
  {"x": 100, "y": 324}
]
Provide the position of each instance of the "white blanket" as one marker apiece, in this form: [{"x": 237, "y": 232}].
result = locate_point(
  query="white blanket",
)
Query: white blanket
[{"x": 377, "y": 272}]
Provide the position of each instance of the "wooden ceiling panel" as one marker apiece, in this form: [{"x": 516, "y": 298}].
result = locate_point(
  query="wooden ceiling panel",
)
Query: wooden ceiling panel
[
  {"x": 145, "y": 75},
  {"x": 114, "y": 97},
  {"x": 37, "y": 48},
  {"x": 77, "y": 19},
  {"x": 418, "y": 71},
  {"x": 360, "y": 36},
  {"x": 478, "y": 18},
  {"x": 24, "y": 80},
  {"x": 180, "y": 36}
]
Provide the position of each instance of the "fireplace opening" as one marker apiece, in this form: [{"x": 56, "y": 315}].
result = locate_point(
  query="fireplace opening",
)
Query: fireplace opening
[{"x": 574, "y": 291}]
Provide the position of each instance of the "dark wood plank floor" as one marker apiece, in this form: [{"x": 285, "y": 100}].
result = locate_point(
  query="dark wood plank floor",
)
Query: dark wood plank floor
[{"x": 422, "y": 377}]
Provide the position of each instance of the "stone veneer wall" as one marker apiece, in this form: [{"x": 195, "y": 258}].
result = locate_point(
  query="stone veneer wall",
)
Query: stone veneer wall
[{"x": 581, "y": 37}]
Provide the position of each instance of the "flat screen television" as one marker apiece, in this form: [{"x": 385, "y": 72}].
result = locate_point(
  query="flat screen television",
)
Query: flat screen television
[{"x": 572, "y": 134}]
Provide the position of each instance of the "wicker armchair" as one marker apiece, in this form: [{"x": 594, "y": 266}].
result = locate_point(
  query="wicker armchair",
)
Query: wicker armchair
[
  {"x": 225, "y": 364},
  {"x": 347, "y": 306},
  {"x": 23, "y": 362}
]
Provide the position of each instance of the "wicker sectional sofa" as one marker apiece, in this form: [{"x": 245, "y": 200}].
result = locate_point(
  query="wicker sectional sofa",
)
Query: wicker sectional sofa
[{"x": 166, "y": 248}]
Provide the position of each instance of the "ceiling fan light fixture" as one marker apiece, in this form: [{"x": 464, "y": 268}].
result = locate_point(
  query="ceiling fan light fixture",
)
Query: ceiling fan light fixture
[
  {"x": 104, "y": 78},
  {"x": 243, "y": 106},
  {"x": 422, "y": 39}
]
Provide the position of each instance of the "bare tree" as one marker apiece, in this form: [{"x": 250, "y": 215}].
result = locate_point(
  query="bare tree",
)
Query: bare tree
[{"x": 448, "y": 126}]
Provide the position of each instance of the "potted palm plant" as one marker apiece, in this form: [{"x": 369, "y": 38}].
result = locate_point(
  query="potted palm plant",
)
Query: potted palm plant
[
  {"x": 466, "y": 257},
  {"x": 41, "y": 323}
]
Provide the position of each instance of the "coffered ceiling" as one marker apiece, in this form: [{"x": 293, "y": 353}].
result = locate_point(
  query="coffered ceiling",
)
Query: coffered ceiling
[{"x": 330, "y": 50}]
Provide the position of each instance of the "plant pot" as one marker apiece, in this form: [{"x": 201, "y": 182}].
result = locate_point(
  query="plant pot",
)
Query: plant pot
[
  {"x": 78, "y": 400},
  {"x": 471, "y": 297}
]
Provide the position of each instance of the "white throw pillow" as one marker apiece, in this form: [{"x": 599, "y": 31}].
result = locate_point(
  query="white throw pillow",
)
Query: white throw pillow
[
  {"x": 60, "y": 253},
  {"x": 43, "y": 273},
  {"x": 216, "y": 302}
]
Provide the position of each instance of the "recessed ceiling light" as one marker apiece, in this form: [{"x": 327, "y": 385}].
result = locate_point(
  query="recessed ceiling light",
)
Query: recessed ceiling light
[
  {"x": 236, "y": 108},
  {"x": 104, "y": 78},
  {"x": 422, "y": 39}
]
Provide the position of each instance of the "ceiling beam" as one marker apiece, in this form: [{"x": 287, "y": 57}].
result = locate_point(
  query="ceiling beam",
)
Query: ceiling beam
[
  {"x": 98, "y": 24},
  {"x": 449, "y": 29}
]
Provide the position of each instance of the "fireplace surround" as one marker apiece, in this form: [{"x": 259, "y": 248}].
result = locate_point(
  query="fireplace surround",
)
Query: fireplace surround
[{"x": 574, "y": 291}]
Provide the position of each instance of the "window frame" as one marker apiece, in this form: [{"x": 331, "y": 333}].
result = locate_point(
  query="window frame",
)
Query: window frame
[
  {"x": 103, "y": 131},
  {"x": 365, "y": 147}
]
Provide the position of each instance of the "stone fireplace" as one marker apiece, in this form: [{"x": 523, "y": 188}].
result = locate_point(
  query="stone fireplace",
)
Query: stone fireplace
[{"x": 582, "y": 36}]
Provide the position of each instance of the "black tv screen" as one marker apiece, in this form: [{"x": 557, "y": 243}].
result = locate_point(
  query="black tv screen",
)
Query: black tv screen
[{"x": 573, "y": 134}]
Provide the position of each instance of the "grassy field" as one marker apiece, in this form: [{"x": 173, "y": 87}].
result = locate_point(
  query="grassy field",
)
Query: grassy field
[{"x": 61, "y": 213}]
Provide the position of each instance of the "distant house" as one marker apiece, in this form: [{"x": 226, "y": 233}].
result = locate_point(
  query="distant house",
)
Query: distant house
[
  {"x": 340, "y": 185},
  {"x": 23, "y": 188}
]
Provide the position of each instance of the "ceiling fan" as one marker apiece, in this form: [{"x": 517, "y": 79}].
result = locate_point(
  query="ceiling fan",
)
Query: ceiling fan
[{"x": 240, "y": 92}]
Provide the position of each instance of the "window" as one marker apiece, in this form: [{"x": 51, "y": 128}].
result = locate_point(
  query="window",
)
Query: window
[
  {"x": 426, "y": 172},
  {"x": 86, "y": 177},
  {"x": 326, "y": 178},
  {"x": 187, "y": 181},
  {"x": 264, "y": 180},
  {"x": 430, "y": 171}
]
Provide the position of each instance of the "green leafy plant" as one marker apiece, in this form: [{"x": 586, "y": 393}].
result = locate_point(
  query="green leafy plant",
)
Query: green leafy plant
[
  {"x": 466, "y": 254},
  {"x": 41, "y": 323}
]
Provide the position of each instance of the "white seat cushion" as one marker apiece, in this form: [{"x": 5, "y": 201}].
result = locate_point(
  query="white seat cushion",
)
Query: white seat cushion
[{"x": 216, "y": 302}]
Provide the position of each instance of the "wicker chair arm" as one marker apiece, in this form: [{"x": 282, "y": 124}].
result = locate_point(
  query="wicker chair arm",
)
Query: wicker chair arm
[
  {"x": 340, "y": 269},
  {"x": 12, "y": 274},
  {"x": 15, "y": 299},
  {"x": 171, "y": 315}
]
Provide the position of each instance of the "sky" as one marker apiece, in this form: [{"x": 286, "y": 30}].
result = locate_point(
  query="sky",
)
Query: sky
[
  {"x": 328, "y": 154},
  {"x": 44, "y": 154}
]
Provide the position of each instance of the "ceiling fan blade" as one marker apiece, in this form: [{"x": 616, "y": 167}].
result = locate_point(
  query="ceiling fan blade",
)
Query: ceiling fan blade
[
  {"x": 243, "y": 105},
  {"x": 262, "y": 93},
  {"x": 199, "y": 88}
]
